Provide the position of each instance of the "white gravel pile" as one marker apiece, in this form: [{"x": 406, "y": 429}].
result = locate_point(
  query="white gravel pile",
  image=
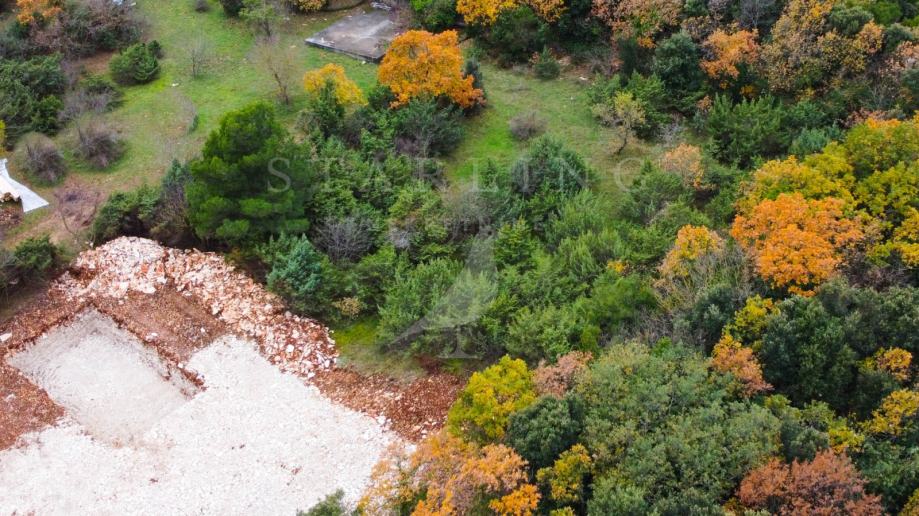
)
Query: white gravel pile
[{"x": 256, "y": 441}]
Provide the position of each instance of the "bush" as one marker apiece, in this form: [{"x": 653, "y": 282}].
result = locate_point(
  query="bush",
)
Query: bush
[
  {"x": 425, "y": 129},
  {"x": 546, "y": 66},
  {"x": 324, "y": 112},
  {"x": 35, "y": 258},
  {"x": 95, "y": 95},
  {"x": 136, "y": 64},
  {"x": 40, "y": 159},
  {"x": 331, "y": 505},
  {"x": 98, "y": 144},
  {"x": 30, "y": 92},
  {"x": 542, "y": 431},
  {"x": 739, "y": 133},
  {"x": 232, "y": 7},
  {"x": 125, "y": 214},
  {"x": 296, "y": 271},
  {"x": 527, "y": 125},
  {"x": 515, "y": 36},
  {"x": 201, "y": 6},
  {"x": 437, "y": 15}
]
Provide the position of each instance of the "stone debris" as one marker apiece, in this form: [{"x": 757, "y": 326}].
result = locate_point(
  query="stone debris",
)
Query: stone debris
[{"x": 128, "y": 264}]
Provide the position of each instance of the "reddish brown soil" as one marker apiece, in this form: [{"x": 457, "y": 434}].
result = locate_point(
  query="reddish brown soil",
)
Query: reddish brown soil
[
  {"x": 412, "y": 410},
  {"x": 23, "y": 406}
]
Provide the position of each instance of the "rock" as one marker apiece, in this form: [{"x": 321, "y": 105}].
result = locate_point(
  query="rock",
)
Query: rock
[{"x": 5, "y": 337}]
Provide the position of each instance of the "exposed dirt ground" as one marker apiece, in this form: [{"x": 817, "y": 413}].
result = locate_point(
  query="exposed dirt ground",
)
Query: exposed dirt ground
[{"x": 179, "y": 302}]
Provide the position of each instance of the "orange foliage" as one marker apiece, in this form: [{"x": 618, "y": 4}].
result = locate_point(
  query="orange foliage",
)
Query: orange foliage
[
  {"x": 555, "y": 380},
  {"x": 796, "y": 242},
  {"x": 729, "y": 51},
  {"x": 419, "y": 63},
  {"x": 685, "y": 161},
  {"x": 730, "y": 356},
  {"x": 45, "y": 8},
  {"x": 453, "y": 476},
  {"x": 829, "y": 484}
]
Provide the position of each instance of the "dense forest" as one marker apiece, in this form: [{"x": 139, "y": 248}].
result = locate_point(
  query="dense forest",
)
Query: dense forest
[{"x": 728, "y": 327}]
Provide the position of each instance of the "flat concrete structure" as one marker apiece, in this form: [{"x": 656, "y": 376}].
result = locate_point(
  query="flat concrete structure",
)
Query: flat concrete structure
[{"x": 365, "y": 36}]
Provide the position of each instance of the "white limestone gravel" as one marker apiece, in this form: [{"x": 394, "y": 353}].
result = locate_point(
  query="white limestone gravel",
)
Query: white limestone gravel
[{"x": 255, "y": 441}]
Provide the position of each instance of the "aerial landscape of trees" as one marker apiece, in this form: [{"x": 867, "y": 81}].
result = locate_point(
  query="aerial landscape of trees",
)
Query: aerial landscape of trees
[{"x": 729, "y": 328}]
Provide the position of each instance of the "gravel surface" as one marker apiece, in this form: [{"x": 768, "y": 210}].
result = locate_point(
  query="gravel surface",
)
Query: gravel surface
[
  {"x": 103, "y": 377},
  {"x": 255, "y": 441}
]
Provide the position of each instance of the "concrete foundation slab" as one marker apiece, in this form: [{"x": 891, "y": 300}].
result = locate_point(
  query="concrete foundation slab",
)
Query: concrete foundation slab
[{"x": 365, "y": 36}]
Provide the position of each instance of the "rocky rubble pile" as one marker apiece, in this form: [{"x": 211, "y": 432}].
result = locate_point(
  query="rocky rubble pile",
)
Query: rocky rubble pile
[{"x": 293, "y": 343}]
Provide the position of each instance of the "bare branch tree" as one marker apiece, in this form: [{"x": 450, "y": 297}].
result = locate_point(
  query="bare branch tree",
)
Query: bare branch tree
[
  {"x": 199, "y": 58},
  {"x": 278, "y": 62}
]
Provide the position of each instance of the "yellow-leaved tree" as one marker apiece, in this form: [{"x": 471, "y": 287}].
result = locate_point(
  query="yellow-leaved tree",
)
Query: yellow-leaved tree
[
  {"x": 420, "y": 64},
  {"x": 346, "y": 91},
  {"x": 486, "y": 12},
  {"x": 28, "y": 9}
]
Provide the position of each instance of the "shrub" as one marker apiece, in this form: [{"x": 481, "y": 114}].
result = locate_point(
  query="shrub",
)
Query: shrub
[
  {"x": 35, "y": 258},
  {"x": 125, "y": 214},
  {"x": 515, "y": 36},
  {"x": 201, "y": 6},
  {"x": 542, "y": 431},
  {"x": 437, "y": 15},
  {"x": 546, "y": 66},
  {"x": 296, "y": 271},
  {"x": 424, "y": 129},
  {"x": 739, "y": 133},
  {"x": 136, "y": 64},
  {"x": 527, "y": 125},
  {"x": 95, "y": 95},
  {"x": 324, "y": 112},
  {"x": 331, "y": 505},
  {"x": 482, "y": 411},
  {"x": 98, "y": 144},
  {"x": 30, "y": 92},
  {"x": 40, "y": 159},
  {"x": 232, "y": 7}
]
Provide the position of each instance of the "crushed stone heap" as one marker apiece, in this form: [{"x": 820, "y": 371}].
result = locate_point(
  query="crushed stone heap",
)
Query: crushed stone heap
[{"x": 293, "y": 343}]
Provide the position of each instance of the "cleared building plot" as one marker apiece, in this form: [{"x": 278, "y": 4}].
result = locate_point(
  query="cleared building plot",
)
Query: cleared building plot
[{"x": 139, "y": 439}]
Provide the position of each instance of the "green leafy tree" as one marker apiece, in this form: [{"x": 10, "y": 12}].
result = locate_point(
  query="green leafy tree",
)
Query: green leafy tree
[
  {"x": 676, "y": 62},
  {"x": 251, "y": 181},
  {"x": 136, "y": 64},
  {"x": 542, "y": 431},
  {"x": 741, "y": 132},
  {"x": 484, "y": 406},
  {"x": 805, "y": 353},
  {"x": 667, "y": 432},
  {"x": 296, "y": 271}
]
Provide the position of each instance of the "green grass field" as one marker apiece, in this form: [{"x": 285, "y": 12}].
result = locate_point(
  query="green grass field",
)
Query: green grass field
[{"x": 170, "y": 118}]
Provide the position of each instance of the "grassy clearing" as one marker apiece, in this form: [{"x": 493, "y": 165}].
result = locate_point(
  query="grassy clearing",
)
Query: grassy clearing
[{"x": 356, "y": 341}]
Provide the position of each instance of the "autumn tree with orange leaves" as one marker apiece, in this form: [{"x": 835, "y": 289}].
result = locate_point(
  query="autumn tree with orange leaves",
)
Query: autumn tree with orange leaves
[
  {"x": 732, "y": 357},
  {"x": 728, "y": 54},
  {"x": 420, "y": 64},
  {"x": 447, "y": 475},
  {"x": 28, "y": 9},
  {"x": 829, "y": 484},
  {"x": 796, "y": 243}
]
